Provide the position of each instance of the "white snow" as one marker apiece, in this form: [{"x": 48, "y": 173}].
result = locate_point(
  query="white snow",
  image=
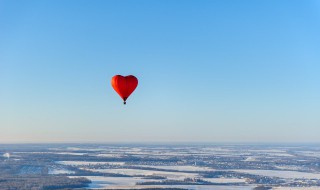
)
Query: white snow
[
  {"x": 6, "y": 155},
  {"x": 296, "y": 188},
  {"x": 180, "y": 168},
  {"x": 250, "y": 159},
  {"x": 281, "y": 174},
  {"x": 81, "y": 163},
  {"x": 224, "y": 180},
  {"x": 99, "y": 182},
  {"x": 133, "y": 172},
  {"x": 109, "y": 155},
  {"x": 60, "y": 171},
  {"x": 309, "y": 153},
  {"x": 70, "y": 153}
]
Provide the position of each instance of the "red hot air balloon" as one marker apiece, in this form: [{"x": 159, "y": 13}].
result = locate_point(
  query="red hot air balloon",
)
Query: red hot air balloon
[{"x": 124, "y": 86}]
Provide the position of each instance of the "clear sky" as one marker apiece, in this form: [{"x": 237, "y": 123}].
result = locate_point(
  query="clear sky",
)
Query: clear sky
[{"x": 209, "y": 71}]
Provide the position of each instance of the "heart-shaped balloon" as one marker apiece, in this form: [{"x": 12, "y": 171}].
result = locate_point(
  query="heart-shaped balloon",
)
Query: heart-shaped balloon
[{"x": 124, "y": 85}]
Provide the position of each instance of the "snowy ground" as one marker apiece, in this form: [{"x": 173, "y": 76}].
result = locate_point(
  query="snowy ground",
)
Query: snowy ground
[
  {"x": 60, "y": 171},
  {"x": 133, "y": 172},
  {"x": 82, "y": 163},
  {"x": 180, "y": 168},
  {"x": 129, "y": 182},
  {"x": 281, "y": 174},
  {"x": 296, "y": 188},
  {"x": 291, "y": 164}
]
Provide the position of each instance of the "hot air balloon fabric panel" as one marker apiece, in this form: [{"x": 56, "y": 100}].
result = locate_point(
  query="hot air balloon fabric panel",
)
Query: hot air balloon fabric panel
[{"x": 124, "y": 85}]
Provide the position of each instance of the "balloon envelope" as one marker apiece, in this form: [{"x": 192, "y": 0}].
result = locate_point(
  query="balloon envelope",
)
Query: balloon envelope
[{"x": 124, "y": 85}]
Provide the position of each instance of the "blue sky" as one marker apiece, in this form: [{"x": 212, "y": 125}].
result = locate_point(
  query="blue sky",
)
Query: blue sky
[{"x": 209, "y": 71}]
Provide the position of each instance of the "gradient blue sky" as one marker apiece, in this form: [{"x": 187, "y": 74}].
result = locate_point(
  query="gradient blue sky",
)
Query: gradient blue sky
[{"x": 209, "y": 71}]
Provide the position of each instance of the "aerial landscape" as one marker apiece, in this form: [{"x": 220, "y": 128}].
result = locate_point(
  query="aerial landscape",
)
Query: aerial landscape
[
  {"x": 124, "y": 166},
  {"x": 160, "y": 95}
]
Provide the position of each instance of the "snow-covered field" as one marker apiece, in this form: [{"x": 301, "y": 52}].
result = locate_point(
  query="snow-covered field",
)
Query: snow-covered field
[
  {"x": 109, "y": 155},
  {"x": 133, "y": 172},
  {"x": 130, "y": 182},
  {"x": 282, "y": 174},
  {"x": 250, "y": 159},
  {"x": 189, "y": 165},
  {"x": 224, "y": 180},
  {"x": 296, "y": 188},
  {"x": 309, "y": 153},
  {"x": 292, "y": 168},
  {"x": 60, "y": 171},
  {"x": 180, "y": 168},
  {"x": 63, "y": 153},
  {"x": 70, "y": 153},
  {"x": 114, "y": 182},
  {"x": 83, "y": 163}
]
